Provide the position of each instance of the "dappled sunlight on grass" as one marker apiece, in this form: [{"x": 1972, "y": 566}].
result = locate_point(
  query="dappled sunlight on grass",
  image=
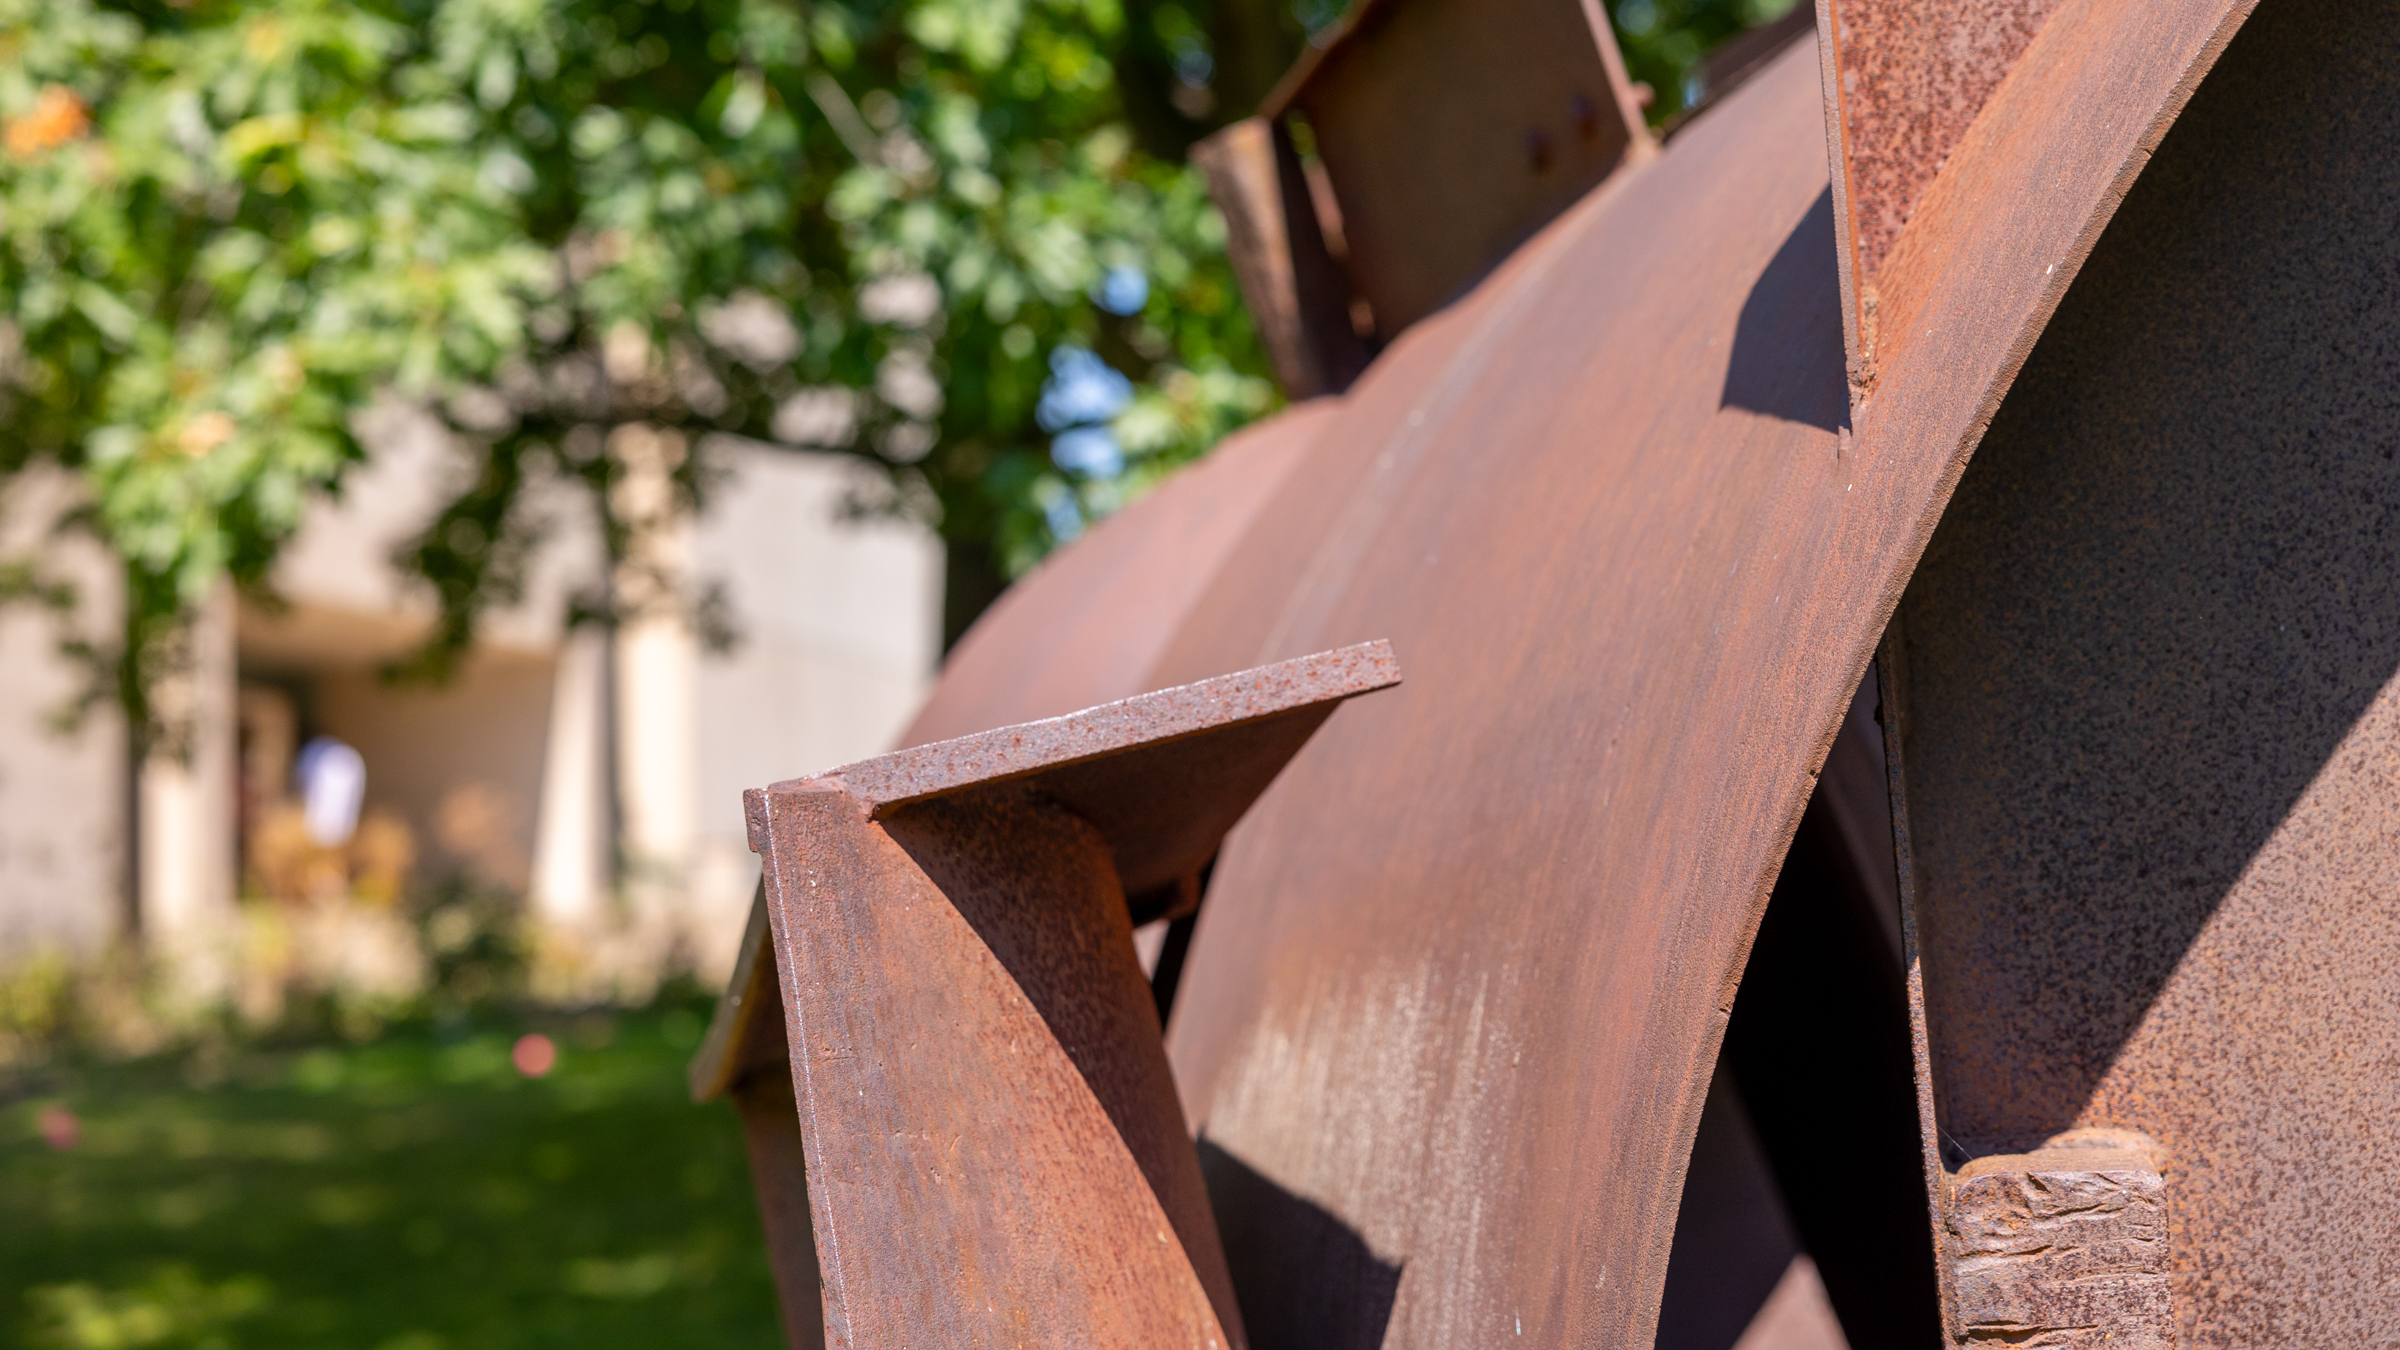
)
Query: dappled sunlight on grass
[
  {"x": 419, "y": 1192},
  {"x": 172, "y": 1306}
]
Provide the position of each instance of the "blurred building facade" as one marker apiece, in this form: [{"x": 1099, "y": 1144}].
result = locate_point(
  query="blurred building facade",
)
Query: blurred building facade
[{"x": 595, "y": 773}]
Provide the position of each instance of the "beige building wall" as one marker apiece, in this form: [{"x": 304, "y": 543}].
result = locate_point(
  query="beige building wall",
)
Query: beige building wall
[
  {"x": 461, "y": 764},
  {"x": 613, "y": 764},
  {"x": 63, "y": 793},
  {"x": 841, "y": 625},
  {"x": 339, "y": 565},
  {"x": 599, "y": 774}
]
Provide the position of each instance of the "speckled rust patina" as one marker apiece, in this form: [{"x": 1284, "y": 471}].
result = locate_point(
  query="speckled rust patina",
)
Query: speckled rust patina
[
  {"x": 2152, "y": 728},
  {"x": 1457, "y": 991},
  {"x": 1905, "y": 82},
  {"x": 972, "y": 1045},
  {"x": 1459, "y": 981},
  {"x": 1290, "y": 697}
]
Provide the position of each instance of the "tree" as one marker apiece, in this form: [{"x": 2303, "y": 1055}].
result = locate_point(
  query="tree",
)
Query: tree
[
  {"x": 955, "y": 238},
  {"x": 875, "y": 228}
]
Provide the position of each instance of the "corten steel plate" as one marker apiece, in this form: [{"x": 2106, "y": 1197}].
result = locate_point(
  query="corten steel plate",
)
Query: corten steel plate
[
  {"x": 1459, "y": 981},
  {"x": 1452, "y": 129},
  {"x": 1296, "y": 293},
  {"x": 1162, "y": 775},
  {"x": 994, "y": 1150},
  {"x": 2150, "y": 713},
  {"x": 1903, "y": 82}
]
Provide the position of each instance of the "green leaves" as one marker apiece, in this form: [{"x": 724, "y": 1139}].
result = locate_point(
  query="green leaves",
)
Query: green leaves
[
  {"x": 1664, "y": 40},
  {"x": 224, "y": 228}
]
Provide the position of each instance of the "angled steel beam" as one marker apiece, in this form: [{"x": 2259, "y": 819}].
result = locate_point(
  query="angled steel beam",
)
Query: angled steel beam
[
  {"x": 1294, "y": 287},
  {"x": 995, "y": 1151},
  {"x": 1452, "y": 130}
]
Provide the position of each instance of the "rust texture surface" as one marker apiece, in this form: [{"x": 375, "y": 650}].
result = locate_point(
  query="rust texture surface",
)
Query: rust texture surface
[
  {"x": 1458, "y": 983},
  {"x": 2151, "y": 733},
  {"x": 1455, "y": 997},
  {"x": 1300, "y": 686},
  {"x": 1293, "y": 287},
  {"x": 1458, "y": 990},
  {"x": 973, "y": 1051},
  {"x": 995, "y": 1152},
  {"x": 1473, "y": 1021},
  {"x": 1452, "y": 129},
  {"x": 1910, "y": 80},
  {"x": 1244, "y": 181},
  {"x": 2074, "y": 120},
  {"x": 1162, "y": 794}
]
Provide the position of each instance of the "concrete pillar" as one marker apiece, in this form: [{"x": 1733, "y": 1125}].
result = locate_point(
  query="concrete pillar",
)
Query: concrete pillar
[
  {"x": 657, "y": 691},
  {"x": 658, "y": 764},
  {"x": 571, "y": 861},
  {"x": 186, "y": 800}
]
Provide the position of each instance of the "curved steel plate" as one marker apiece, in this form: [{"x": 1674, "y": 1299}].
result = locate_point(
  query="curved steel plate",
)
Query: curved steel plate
[
  {"x": 1462, "y": 974},
  {"x": 1461, "y": 977}
]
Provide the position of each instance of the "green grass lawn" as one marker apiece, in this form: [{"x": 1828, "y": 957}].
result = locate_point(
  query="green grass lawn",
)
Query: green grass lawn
[{"x": 415, "y": 1192}]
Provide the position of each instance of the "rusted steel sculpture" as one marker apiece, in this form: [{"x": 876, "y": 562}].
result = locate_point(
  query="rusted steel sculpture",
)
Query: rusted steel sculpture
[
  {"x": 970, "y": 1035},
  {"x": 1897, "y": 757}
]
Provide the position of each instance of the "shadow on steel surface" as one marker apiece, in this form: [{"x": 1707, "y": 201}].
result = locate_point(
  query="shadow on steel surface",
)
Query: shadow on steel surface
[
  {"x": 1305, "y": 1279},
  {"x": 1733, "y": 1236},
  {"x": 2169, "y": 568},
  {"x": 955, "y": 842},
  {"x": 1808, "y": 1139},
  {"x": 1176, "y": 946},
  {"x": 1787, "y": 312},
  {"x": 1818, "y": 1044},
  {"x": 2151, "y": 700}
]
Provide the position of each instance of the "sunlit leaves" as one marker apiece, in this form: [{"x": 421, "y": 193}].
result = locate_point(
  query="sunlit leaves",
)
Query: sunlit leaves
[{"x": 225, "y": 228}]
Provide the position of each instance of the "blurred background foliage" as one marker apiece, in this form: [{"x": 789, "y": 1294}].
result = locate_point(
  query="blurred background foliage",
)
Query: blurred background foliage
[
  {"x": 884, "y": 227},
  {"x": 1664, "y": 42}
]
